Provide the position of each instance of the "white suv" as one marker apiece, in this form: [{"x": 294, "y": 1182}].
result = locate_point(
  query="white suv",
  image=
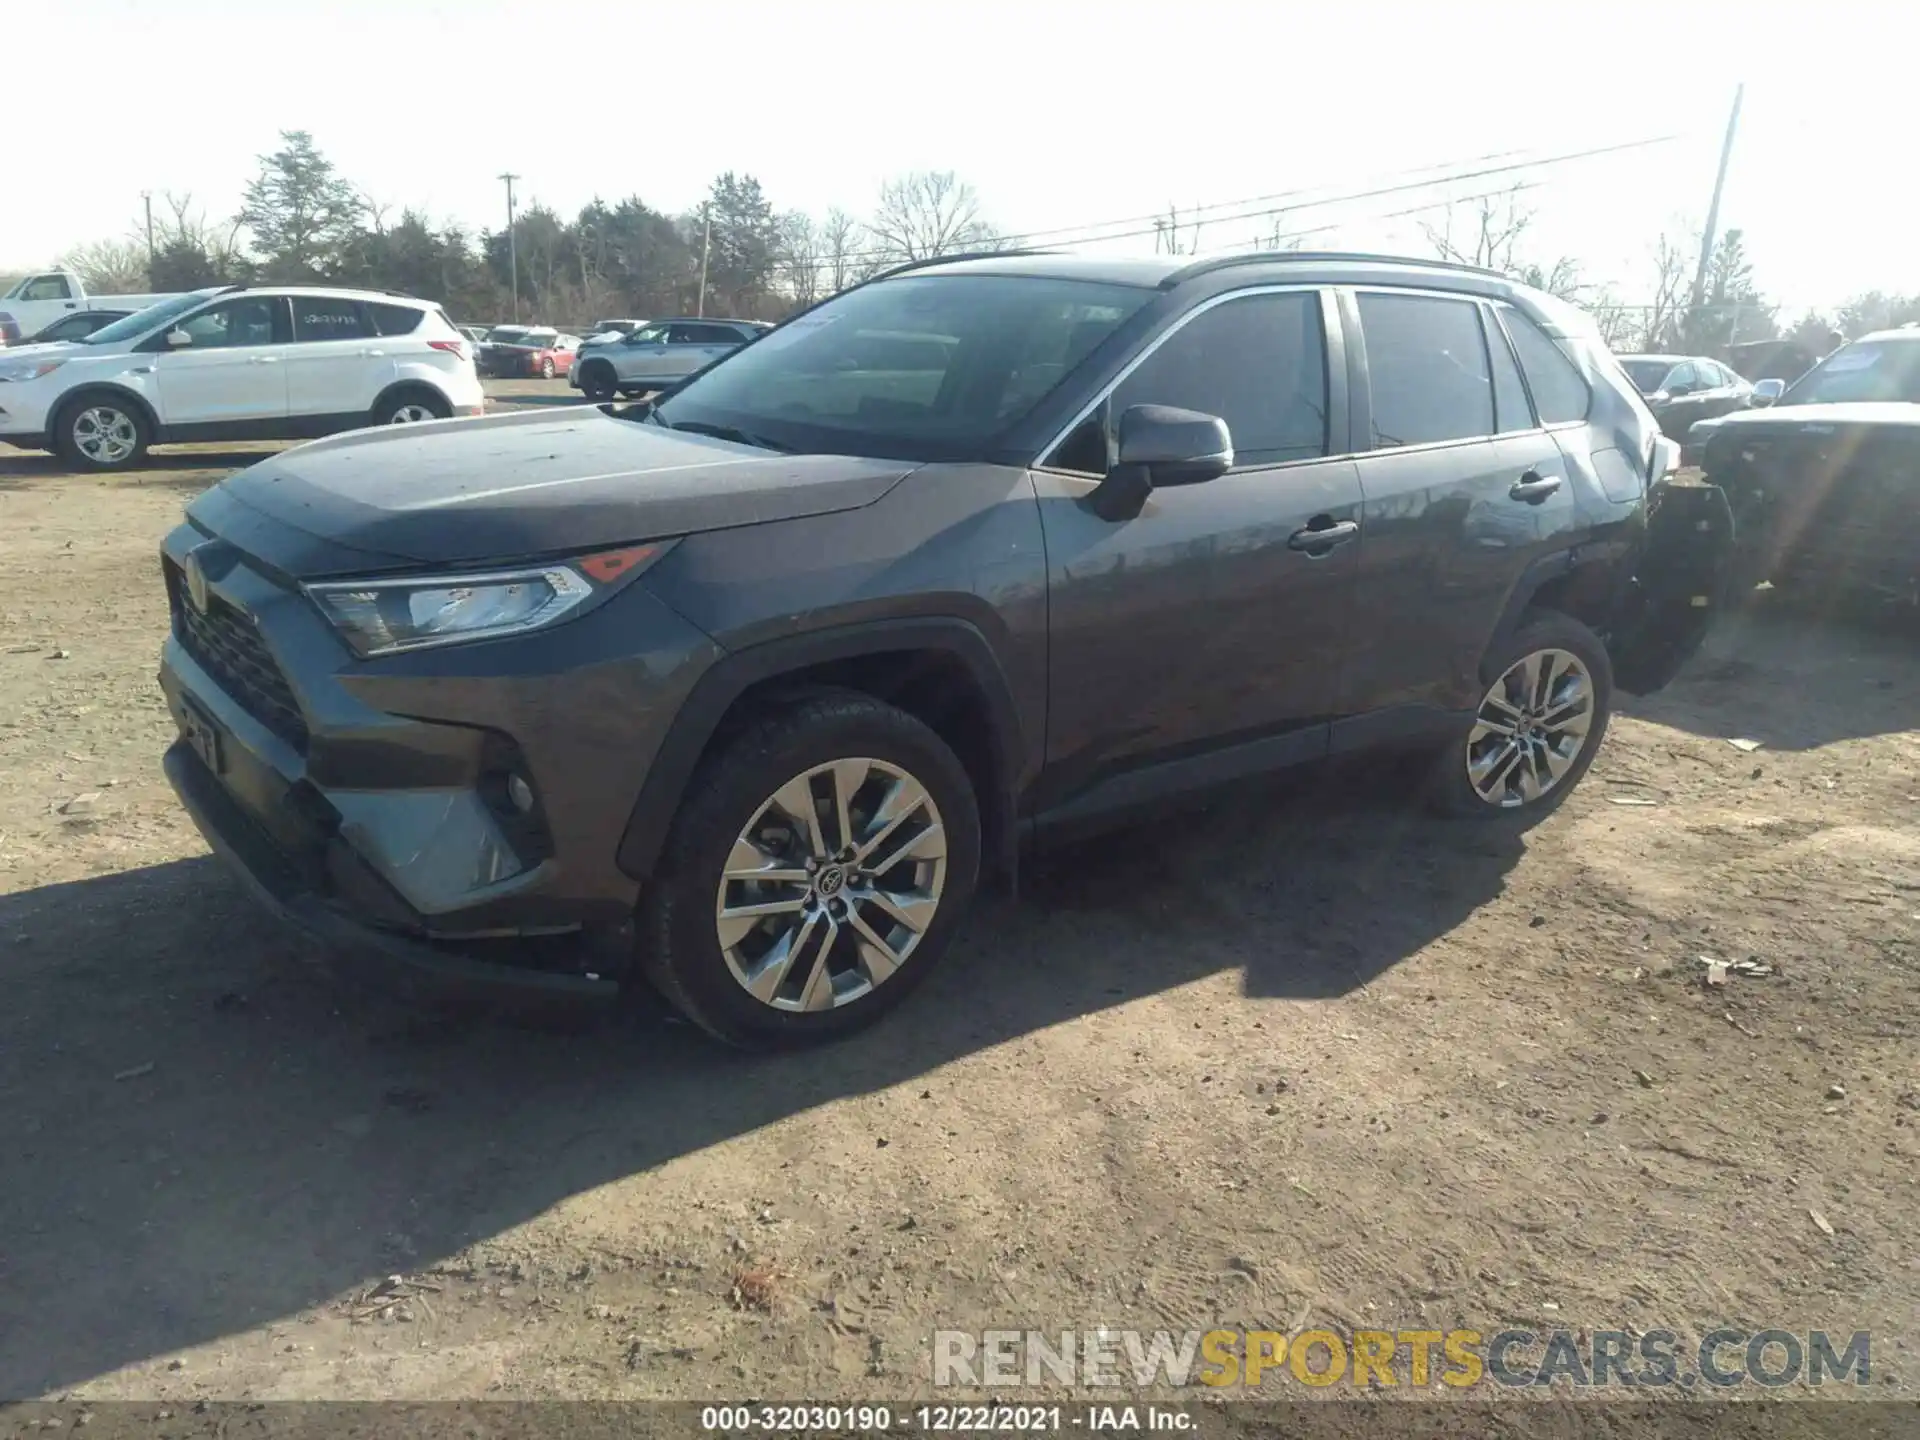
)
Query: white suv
[{"x": 268, "y": 362}]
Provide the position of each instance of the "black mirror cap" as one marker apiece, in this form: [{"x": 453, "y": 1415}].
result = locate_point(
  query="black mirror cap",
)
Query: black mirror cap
[{"x": 1177, "y": 447}]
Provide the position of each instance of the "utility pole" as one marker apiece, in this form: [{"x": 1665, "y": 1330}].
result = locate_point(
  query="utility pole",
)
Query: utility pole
[
  {"x": 706, "y": 240},
  {"x": 513, "y": 246},
  {"x": 146, "y": 197},
  {"x": 1713, "y": 206}
]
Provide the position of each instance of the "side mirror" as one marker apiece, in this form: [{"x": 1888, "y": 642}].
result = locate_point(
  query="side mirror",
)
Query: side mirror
[
  {"x": 178, "y": 339},
  {"x": 1161, "y": 446},
  {"x": 1765, "y": 392},
  {"x": 1674, "y": 392}
]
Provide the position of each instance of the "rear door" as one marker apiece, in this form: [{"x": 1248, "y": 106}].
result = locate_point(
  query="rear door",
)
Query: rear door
[
  {"x": 337, "y": 364},
  {"x": 232, "y": 371},
  {"x": 1463, "y": 488}
]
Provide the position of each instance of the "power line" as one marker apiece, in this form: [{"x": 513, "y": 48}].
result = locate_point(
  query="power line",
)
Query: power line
[{"x": 1088, "y": 234}]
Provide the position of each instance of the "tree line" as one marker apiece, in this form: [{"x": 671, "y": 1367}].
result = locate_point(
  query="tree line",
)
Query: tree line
[{"x": 300, "y": 220}]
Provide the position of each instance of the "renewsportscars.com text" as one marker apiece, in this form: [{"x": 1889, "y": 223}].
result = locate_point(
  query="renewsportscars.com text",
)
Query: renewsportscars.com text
[{"x": 1458, "y": 1358}]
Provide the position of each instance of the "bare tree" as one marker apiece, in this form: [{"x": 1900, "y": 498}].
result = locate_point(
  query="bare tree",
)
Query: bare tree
[
  {"x": 110, "y": 267},
  {"x": 927, "y": 213},
  {"x": 1483, "y": 232},
  {"x": 800, "y": 256},
  {"x": 1671, "y": 276},
  {"x": 840, "y": 241}
]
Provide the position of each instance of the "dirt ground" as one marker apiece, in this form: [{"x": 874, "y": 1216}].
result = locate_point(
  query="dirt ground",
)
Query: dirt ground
[{"x": 1309, "y": 1058}]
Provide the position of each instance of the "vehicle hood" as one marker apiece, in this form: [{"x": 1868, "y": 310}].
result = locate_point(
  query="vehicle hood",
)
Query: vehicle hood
[
  {"x": 1775, "y": 419},
  {"x": 505, "y": 487}
]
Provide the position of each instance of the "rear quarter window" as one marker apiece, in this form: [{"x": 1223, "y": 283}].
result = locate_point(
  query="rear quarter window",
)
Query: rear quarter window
[
  {"x": 398, "y": 319},
  {"x": 1560, "y": 391}
]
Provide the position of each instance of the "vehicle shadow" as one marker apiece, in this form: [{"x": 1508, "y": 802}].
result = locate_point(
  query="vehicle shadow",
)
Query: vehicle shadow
[
  {"x": 1795, "y": 675},
  {"x": 203, "y": 1138}
]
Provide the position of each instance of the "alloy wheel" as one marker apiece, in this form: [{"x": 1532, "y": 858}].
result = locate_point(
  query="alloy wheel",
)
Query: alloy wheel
[
  {"x": 105, "y": 435},
  {"x": 411, "y": 414},
  {"x": 1531, "y": 728},
  {"x": 831, "y": 885}
]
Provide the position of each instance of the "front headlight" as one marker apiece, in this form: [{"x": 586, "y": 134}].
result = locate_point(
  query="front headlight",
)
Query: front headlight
[
  {"x": 380, "y": 616},
  {"x": 25, "y": 370}
]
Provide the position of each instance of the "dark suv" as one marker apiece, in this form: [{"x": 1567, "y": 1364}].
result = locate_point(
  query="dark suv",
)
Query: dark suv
[{"x": 743, "y": 690}]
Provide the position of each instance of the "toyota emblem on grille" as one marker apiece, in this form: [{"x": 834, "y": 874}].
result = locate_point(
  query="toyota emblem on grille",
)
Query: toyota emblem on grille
[{"x": 196, "y": 579}]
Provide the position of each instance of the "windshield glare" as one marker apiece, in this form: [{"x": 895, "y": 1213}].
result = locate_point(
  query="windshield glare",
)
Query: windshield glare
[
  {"x": 129, "y": 327},
  {"x": 921, "y": 368},
  {"x": 1866, "y": 370}
]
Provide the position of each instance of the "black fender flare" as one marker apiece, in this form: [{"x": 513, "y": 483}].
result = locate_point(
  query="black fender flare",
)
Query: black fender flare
[
  {"x": 715, "y": 692},
  {"x": 105, "y": 387}
]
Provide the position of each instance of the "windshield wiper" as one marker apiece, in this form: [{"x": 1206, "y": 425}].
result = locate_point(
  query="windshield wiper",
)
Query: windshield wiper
[{"x": 723, "y": 432}]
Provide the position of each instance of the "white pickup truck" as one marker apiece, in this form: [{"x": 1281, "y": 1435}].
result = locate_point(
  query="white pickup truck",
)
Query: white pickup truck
[{"x": 39, "y": 300}]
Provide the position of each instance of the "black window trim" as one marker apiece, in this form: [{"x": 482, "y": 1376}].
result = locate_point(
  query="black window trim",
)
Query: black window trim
[
  {"x": 1363, "y": 381},
  {"x": 1496, "y": 334},
  {"x": 1500, "y": 307},
  {"x": 1333, "y": 357}
]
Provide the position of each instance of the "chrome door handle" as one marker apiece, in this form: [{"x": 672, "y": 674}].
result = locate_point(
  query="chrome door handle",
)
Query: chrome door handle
[
  {"x": 1318, "y": 540},
  {"x": 263, "y": 359},
  {"x": 1533, "y": 487},
  {"x": 372, "y": 354}
]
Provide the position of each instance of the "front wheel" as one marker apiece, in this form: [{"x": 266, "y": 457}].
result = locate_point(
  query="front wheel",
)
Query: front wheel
[
  {"x": 1537, "y": 727},
  {"x": 597, "y": 383},
  {"x": 817, "y": 871},
  {"x": 546, "y": 369},
  {"x": 101, "y": 433}
]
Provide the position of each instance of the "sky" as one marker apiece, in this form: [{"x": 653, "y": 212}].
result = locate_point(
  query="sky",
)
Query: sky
[{"x": 1074, "y": 120}]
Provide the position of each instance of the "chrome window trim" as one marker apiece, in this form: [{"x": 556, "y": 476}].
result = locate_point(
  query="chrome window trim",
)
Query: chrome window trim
[{"x": 1330, "y": 330}]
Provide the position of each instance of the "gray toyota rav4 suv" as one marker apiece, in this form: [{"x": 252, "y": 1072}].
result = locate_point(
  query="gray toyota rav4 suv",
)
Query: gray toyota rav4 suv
[{"x": 743, "y": 691}]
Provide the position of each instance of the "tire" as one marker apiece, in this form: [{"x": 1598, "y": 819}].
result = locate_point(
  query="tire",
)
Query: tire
[
  {"x": 546, "y": 369},
  {"x": 834, "y": 983},
  {"x": 598, "y": 382},
  {"x": 410, "y": 407},
  {"x": 100, "y": 432},
  {"x": 1523, "y": 793}
]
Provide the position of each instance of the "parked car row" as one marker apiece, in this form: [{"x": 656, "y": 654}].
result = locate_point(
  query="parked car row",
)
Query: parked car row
[
  {"x": 513, "y": 352},
  {"x": 657, "y": 354},
  {"x": 36, "y": 302},
  {"x": 237, "y": 362}
]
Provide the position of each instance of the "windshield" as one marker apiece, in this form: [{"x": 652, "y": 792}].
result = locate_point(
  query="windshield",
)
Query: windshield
[
  {"x": 141, "y": 321},
  {"x": 929, "y": 367},
  {"x": 1864, "y": 370},
  {"x": 508, "y": 335},
  {"x": 1646, "y": 374}
]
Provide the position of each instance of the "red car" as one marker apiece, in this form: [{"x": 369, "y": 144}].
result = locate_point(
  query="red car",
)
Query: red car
[{"x": 520, "y": 352}]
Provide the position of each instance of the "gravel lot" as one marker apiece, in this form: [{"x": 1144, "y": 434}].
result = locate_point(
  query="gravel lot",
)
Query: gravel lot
[{"x": 1308, "y": 1057}]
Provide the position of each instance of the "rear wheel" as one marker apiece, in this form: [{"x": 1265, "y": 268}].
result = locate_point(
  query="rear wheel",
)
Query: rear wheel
[
  {"x": 1538, "y": 725},
  {"x": 410, "y": 407},
  {"x": 101, "y": 432},
  {"x": 546, "y": 368},
  {"x": 598, "y": 382},
  {"x": 817, "y": 872}
]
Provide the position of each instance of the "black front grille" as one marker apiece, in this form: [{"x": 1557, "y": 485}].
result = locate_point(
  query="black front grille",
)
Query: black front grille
[{"x": 228, "y": 647}]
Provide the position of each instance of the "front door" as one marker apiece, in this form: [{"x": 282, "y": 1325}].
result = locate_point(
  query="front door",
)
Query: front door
[
  {"x": 232, "y": 369},
  {"x": 1218, "y": 617},
  {"x": 336, "y": 364}
]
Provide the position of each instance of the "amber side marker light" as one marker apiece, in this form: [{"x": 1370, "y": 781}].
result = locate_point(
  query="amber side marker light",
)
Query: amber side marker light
[{"x": 610, "y": 565}]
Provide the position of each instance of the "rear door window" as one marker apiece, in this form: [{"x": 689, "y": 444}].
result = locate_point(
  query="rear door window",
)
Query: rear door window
[
  {"x": 317, "y": 318},
  {"x": 1428, "y": 367},
  {"x": 1512, "y": 411}
]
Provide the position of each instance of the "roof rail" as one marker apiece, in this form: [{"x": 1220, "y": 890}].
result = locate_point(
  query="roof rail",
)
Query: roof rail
[
  {"x": 1262, "y": 257},
  {"x": 957, "y": 256}
]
